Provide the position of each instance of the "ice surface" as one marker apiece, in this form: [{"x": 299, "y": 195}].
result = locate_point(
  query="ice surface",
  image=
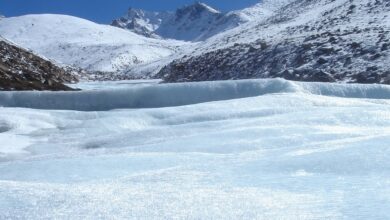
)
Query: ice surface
[
  {"x": 108, "y": 85},
  {"x": 253, "y": 149},
  {"x": 165, "y": 95}
]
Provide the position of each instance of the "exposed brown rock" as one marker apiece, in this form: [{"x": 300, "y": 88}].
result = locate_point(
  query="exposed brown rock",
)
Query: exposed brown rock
[{"x": 20, "y": 69}]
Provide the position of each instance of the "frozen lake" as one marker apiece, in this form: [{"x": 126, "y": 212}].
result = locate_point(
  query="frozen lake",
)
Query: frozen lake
[
  {"x": 250, "y": 149},
  {"x": 113, "y": 85}
]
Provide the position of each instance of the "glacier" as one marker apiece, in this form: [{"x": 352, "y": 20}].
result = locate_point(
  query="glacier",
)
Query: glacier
[{"x": 247, "y": 149}]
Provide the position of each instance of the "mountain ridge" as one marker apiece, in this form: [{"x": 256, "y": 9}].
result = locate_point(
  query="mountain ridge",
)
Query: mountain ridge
[{"x": 196, "y": 22}]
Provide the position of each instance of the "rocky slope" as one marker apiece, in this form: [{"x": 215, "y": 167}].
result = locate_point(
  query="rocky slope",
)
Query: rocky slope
[
  {"x": 20, "y": 69},
  {"x": 305, "y": 40},
  {"x": 195, "y": 22}
]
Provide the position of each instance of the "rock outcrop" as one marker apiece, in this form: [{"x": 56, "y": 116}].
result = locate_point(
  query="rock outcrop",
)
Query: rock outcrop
[{"x": 20, "y": 69}]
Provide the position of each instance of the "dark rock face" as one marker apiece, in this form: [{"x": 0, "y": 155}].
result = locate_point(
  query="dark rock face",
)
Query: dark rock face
[
  {"x": 354, "y": 54},
  {"x": 22, "y": 70}
]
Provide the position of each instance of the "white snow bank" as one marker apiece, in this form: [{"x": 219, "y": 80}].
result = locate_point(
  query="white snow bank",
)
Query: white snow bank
[{"x": 165, "y": 95}]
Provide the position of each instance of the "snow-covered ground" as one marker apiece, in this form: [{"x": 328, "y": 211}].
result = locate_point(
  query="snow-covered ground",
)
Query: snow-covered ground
[{"x": 252, "y": 149}]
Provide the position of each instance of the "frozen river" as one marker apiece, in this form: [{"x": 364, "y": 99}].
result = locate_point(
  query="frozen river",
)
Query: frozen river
[{"x": 250, "y": 149}]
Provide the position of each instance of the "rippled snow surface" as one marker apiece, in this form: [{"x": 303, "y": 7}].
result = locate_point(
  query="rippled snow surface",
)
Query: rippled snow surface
[{"x": 252, "y": 149}]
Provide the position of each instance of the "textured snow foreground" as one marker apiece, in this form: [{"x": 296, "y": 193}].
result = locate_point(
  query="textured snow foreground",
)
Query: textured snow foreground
[{"x": 254, "y": 149}]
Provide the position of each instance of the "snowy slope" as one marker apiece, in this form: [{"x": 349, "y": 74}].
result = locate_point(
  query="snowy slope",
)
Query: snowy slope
[
  {"x": 283, "y": 152},
  {"x": 78, "y": 42},
  {"x": 321, "y": 40},
  {"x": 254, "y": 13}
]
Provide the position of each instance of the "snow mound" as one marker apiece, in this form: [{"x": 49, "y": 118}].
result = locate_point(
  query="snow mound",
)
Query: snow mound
[{"x": 165, "y": 95}]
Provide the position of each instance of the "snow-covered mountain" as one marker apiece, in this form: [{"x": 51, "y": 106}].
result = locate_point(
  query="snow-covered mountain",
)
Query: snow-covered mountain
[
  {"x": 188, "y": 23},
  {"x": 307, "y": 40},
  {"x": 81, "y": 43},
  {"x": 142, "y": 22},
  {"x": 195, "y": 22}
]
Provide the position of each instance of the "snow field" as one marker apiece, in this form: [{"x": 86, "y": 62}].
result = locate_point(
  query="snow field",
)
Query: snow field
[{"x": 281, "y": 153}]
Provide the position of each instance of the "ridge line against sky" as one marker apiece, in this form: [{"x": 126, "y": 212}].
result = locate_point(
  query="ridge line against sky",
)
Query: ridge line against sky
[{"x": 104, "y": 11}]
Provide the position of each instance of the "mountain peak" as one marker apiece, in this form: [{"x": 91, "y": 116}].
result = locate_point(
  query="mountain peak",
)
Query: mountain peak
[
  {"x": 204, "y": 6},
  {"x": 196, "y": 9},
  {"x": 141, "y": 22}
]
